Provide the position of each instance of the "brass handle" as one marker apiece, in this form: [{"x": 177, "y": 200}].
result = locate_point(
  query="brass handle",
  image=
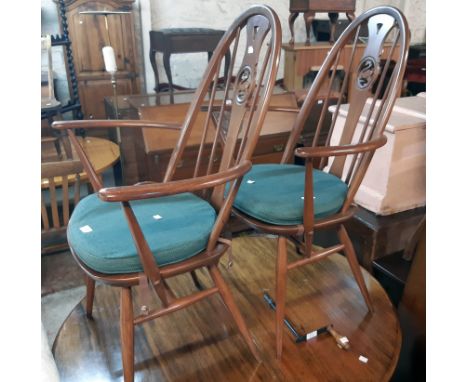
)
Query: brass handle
[{"x": 278, "y": 148}]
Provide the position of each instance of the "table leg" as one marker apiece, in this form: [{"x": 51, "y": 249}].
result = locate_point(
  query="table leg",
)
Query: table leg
[
  {"x": 167, "y": 68},
  {"x": 155, "y": 69},
  {"x": 292, "y": 18},
  {"x": 308, "y": 18},
  {"x": 333, "y": 16}
]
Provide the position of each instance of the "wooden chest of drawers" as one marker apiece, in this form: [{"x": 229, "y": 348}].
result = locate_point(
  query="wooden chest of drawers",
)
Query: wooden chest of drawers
[{"x": 145, "y": 152}]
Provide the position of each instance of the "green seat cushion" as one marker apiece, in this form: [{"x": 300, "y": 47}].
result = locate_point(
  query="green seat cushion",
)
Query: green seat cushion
[
  {"x": 175, "y": 227},
  {"x": 273, "y": 193}
]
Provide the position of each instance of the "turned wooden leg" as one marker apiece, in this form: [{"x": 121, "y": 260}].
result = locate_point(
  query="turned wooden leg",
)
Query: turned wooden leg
[
  {"x": 353, "y": 263},
  {"x": 281, "y": 277},
  {"x": 228, "y": 299},
  {"x": 90, "y": 284},
  {"x": 292, "y": 18},
  {"x": 127, "y": 333},
  {"x": 308, "y": 18}
]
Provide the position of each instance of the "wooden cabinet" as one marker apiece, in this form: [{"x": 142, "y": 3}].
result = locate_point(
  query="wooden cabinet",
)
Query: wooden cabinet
[{"x": 88, "y": 34}]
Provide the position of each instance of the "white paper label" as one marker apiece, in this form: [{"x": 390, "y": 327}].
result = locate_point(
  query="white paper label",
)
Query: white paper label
[
  {"x": 344, "y": 340},
  {"x": 311, "y": 335},
  {"x": 363, "y": 359},
  {"x": 157, "y": 217},
  {"x": 86, "y": 229},
  {"x": 250, "y": 49}
]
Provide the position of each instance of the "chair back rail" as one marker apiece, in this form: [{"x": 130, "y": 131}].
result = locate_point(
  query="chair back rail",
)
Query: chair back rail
[{"x": 57, "y": 175}]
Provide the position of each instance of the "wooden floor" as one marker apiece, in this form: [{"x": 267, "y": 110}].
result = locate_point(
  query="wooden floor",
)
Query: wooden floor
[{"x": 201, "y": 343}]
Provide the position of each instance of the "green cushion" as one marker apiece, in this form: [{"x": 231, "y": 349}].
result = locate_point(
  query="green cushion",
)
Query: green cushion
[
  {"x": 273, "y": 194},
  {"x": 107, "y": 245}
]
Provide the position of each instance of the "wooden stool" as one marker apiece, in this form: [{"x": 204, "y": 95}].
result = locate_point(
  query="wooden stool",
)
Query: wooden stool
[
  {"x": 310, "y": 7},
  {"x": 183, "y": 40}
]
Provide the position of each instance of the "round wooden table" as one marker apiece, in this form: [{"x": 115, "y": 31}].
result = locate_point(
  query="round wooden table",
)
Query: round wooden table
[
  {"x": 102, "y": 153},
  {"x": 201, "y": 343}
]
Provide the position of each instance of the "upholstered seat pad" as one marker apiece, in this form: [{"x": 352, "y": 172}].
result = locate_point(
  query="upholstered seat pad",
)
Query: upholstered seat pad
[
  {"x": 175, "y": 227},
  {"x": 273, "y": 193}
]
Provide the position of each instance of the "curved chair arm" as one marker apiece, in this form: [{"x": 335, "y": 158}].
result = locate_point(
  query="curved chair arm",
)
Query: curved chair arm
[
  {"x": 154, "y": 190},
  {"x": 111, "y": 123},
  {"x": 334, "y": 151}
]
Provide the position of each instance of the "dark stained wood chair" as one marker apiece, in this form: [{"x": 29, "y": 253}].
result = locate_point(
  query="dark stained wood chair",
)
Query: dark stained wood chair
[
  {"x": 154, "y": 231},
  {"x": 57, "y": 178},
  {"x": 294, "y": 201}
]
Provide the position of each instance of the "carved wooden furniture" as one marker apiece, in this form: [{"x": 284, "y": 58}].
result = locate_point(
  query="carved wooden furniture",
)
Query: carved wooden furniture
[
  {"x": 147, "y": 233},
  {"x": 55, "y": 209},
  {"x": 310, "y": 7},
  {"x": 91, "y": 346},
  {"x": 63, "y": 39},
  {"x": 293, "y": 201},
  {"x": 183, "y": 40},
  {"x": 88, "y": 34}
]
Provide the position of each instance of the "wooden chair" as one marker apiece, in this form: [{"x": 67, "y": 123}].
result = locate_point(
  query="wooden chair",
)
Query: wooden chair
[
  {"x": 293, "y": 201},
  {"x": 55, "y": 210},
  {"x": 154, "y": 231}
]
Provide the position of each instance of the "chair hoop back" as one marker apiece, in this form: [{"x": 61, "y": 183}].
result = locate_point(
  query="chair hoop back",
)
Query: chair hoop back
[
  {"x": 377, "y": 42},
  {"x": 233, "y": 115}
]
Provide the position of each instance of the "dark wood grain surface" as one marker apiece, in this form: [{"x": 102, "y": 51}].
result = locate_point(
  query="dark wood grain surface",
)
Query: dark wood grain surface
[{"x": 201, "y": 343}]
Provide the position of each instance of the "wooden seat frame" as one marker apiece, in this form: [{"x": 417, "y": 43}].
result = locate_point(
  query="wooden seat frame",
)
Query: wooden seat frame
[
  {"x": 236, "y": 132},
  {"x": 351, "y": 157}
]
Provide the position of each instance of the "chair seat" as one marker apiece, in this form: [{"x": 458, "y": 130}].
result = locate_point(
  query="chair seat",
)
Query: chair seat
[
  {"x": 176, "y": 228},
  {"x": 273, "y": 194}
]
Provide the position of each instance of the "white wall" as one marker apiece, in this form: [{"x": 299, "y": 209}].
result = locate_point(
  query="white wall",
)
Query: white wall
[
  {"x": 219, "y": 14},
  {"x": 187, "y": 69}
]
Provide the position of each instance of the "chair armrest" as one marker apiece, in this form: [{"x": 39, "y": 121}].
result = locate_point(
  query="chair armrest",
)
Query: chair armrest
[
  {"x": 334, "y": 151},
  {"x": 111, "y": 123},
  {"x": 149, "y": 190}
]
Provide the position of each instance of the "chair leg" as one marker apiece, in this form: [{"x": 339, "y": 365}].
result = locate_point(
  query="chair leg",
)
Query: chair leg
[
  {"x": 90, "y": 284},
  {"x": 281, "y": 277},
  {"x": 228, "y": 299},
  {"x": 354, "y": 265},
  {"x": 127, "y": 333}
]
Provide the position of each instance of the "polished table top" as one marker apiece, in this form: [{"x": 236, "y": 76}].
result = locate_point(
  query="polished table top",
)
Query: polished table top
[
  {"x": 201, "y": 343},
  {"x": 101, "y": 152}
]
